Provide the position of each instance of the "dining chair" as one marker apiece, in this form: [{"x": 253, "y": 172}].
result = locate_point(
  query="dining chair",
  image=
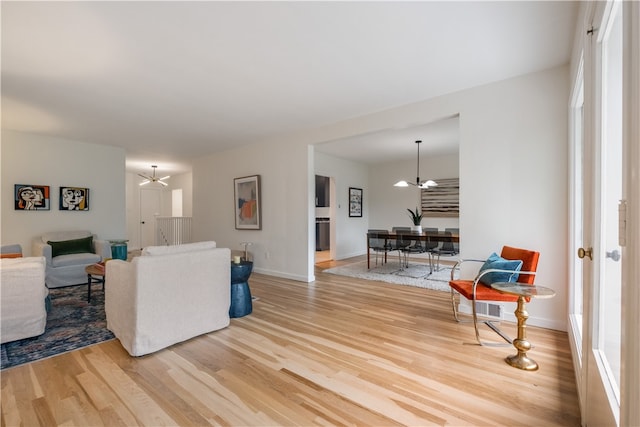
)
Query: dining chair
[
  {"x": 431, "y": 244},
  {"x": 379, "y": 242},
  {"x": 399, "y": 243},
  {"x": 454, "y": 232},
  {"x": 513, "y": 264},
  {"x": 408, "y": 244},
  {"x": 446, "y": 247}
]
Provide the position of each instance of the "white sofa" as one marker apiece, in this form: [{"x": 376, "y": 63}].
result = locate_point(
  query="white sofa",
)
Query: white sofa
[
  {"x": 22, "y": 298},
  {"x": 167, "y": 295},
  {"x": 68, "y": 269}
]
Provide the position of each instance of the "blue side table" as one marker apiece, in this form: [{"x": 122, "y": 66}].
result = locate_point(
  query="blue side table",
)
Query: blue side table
[
  {"x": 240, "y": 292},
  {"x": 119, "y": 249}
]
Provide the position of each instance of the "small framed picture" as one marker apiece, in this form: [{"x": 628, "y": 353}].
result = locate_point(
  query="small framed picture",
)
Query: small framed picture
[
  {"x": 247, "y": 203},
  {"x": 29, "y": 197},
  {"x": 74, "y": 199},
  {"x": 355, "y": 202}
]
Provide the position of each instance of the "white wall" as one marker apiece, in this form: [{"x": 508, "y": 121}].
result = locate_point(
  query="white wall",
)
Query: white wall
[
  {"x": 56, "y": 162},
  {"x": 282, "y": 248},
  {"x": 513, "y": 175},
  {"x": 132, "y": 206},
  {"x": 513, "y": 179}
]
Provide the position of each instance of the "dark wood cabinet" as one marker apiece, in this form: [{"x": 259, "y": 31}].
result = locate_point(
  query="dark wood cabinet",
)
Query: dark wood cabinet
[{"x": 322, "y": 191}]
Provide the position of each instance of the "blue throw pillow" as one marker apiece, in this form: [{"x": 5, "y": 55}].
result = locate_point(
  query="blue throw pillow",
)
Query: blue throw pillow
[{"x": 497, "y": 262}]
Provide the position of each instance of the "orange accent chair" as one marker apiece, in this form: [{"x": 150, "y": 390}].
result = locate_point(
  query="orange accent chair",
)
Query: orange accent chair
[{"x": 475, "y": 290}]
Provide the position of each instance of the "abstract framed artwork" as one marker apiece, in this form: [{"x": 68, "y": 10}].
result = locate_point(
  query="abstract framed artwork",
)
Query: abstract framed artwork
[
  {"x": 31, "y": 197},
  {"x": 442, "y": 201},
  {"x": 74, "y": 199},
  {"x": 248, "y": 203},
  {"x": 355, "y": 202}
]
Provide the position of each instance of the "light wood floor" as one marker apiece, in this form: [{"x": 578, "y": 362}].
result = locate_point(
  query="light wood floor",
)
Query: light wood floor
[
  {"x": 338, "y": 351},
  {"x": 322, "y": 256}
]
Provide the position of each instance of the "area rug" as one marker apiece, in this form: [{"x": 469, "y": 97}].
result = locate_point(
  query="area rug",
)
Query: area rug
[
  {"x": 72, "y": 323},
  {"x": 417, "y": 274}
]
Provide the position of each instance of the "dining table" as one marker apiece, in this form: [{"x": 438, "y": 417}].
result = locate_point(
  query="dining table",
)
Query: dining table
[{"x": 424, "y": 236}]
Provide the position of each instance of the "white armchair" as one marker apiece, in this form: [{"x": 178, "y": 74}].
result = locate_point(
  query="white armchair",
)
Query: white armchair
[
  {"x": 22, "y": 295},
  {"x": 168, "y": 295},
  {"x": 67, "y": 253}
]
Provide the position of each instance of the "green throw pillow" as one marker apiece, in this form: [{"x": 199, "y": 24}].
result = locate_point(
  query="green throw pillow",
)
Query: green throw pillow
[
  {"x": 75, "y": 246},
  {"x": 497, "y": 262}
]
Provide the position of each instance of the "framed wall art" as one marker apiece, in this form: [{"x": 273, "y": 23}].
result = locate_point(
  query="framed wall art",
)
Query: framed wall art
[
  {"x": 355, "y": 202},
  {"x": 248, "y": 203},
  {"x": 31, "y": 197},
  {"x": 74, "y": 199},
  {"x": 442, "y": 201}
]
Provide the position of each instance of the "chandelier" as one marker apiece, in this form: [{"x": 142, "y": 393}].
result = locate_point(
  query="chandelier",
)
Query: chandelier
[
  {"x": 153, "y": 178},
  {"x": 420, "y": 184}
]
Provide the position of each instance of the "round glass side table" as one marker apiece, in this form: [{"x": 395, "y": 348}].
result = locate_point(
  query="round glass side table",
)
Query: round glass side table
[{"x": 520, "y": 360}]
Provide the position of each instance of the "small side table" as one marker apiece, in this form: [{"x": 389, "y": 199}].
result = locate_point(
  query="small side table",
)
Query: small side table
[
  {"x": 94, "y": 275},
  {"x": 240, "y": 293},
  {"x": 119, "y": 249},
  {"x": 522, "y": 291}
]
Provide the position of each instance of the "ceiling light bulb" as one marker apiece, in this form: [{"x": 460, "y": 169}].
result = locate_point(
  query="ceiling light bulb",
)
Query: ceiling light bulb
[
  {"x": 401, "y": 184},
  {"x": 429, "y": 183}
]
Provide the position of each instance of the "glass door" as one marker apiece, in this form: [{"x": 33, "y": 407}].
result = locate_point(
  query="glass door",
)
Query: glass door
[{"x": 602, "y": 193}]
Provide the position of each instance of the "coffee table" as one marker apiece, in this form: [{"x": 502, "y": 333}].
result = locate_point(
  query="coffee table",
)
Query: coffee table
[
  {"x": 94, "y": 275},
  {"x": 522, "y": 291}
]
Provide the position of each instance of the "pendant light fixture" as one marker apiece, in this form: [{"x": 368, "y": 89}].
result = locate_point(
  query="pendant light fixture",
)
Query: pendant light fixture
[
  {"x": 420, "y": 184},
  {"x": 153, "y": 178}
]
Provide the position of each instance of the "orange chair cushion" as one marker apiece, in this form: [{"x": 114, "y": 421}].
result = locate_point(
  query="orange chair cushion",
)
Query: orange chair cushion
[
  {"x": 483, "y": 292},
  {"x": 529, "y": 261},
  {"x": 11, "y": 255}
]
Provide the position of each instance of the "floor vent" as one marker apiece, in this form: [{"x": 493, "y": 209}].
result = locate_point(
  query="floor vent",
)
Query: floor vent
[{"x": 489, "y": 310}]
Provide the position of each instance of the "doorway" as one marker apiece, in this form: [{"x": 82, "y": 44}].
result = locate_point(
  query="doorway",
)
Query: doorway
[{"x": 324, "y": 199}]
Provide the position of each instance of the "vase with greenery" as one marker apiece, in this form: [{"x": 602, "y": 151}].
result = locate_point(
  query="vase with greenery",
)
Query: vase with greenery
[{"x": 416, "y": 218}]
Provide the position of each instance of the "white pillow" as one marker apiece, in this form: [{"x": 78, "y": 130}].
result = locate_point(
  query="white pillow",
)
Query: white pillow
[{"x": 177, "y": 249}]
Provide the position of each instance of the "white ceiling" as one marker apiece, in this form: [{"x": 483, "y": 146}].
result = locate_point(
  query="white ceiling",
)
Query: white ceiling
[
  {"x": 437, "y": 139},
  {"x": 171, "y": 81}
]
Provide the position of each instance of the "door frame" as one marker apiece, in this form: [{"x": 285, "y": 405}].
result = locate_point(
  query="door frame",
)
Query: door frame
[{"x": 630, "y": 380}]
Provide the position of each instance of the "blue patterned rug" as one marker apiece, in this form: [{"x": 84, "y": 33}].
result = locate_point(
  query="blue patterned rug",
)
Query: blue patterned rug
[{"x": 72, "y": 323}]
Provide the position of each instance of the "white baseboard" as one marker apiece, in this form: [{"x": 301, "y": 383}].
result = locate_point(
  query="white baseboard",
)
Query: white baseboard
[
  {"x": 540, "y": 322},
  {"x": 351, "y": 255},
  {"x": 508, "y": 316},
  {"x": 284, "y": 275}
]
